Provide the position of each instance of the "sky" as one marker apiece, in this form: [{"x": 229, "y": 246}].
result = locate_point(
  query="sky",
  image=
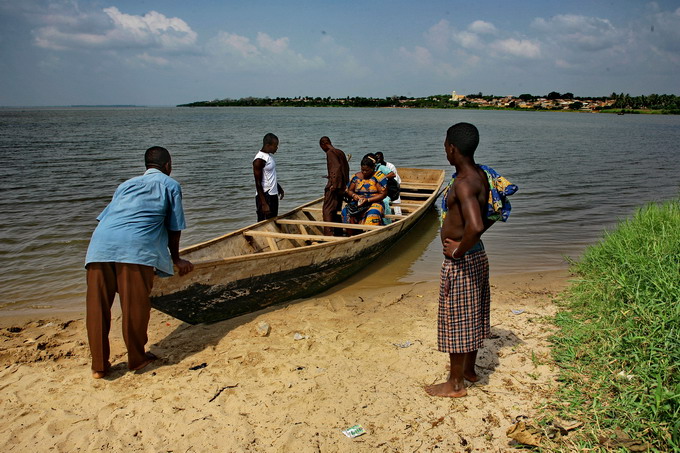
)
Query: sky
[{"x": 169, "y": 52}]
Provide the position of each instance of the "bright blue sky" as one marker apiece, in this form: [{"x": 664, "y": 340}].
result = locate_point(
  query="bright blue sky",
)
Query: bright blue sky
[{"x": 166, "y": 52}]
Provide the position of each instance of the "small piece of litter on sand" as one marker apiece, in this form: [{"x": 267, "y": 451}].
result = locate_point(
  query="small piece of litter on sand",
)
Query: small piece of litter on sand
[
  {"x": 405, "y": 344},
  {"x": 263, "y": 328},
  {"x": 517, "y": 312},
  {"x": 198, "y": 367},
  {"x": 299, "y": 336},
  {"x": 354, "y": 431}
]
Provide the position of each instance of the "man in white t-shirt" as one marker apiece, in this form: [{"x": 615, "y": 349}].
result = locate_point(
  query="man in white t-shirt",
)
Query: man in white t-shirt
[
  {"x": 391, "y": 175},
  {"x": 268, "y": 189}
]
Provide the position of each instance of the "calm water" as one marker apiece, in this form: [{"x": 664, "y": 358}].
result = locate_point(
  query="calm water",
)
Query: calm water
[{"x": 578, "y": 174}]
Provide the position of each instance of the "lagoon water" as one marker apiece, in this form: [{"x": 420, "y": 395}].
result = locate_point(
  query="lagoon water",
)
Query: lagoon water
[{"x": 578, "y": 175}]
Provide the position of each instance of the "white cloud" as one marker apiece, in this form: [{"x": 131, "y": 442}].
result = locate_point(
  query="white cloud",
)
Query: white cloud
[
  {"x": 112, "y": 29},
  {"x": 152, "y": 28},
  {"x": 341, "y": 59},
  {"x": 421, "y": 60},
  {"x": 419, "y": 56},
  {"x": 665, "y": 31},
  {"x": 482, "y": 27},
  {"x": 439, "y": 35},
  {"x": 522, "y": 48},
  {"x": 277, "y": 46},
  {"x": 579, "y": 32},
  {"x": 234, "y": 44},
  {"x": 468, "y": 40},
  {"x": 152, "y": 60},
  {"x": 230, "y": 50}
]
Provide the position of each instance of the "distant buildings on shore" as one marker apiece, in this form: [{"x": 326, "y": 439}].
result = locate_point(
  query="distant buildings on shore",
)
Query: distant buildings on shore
[
  {"x": 530, "y": 102},
  {"x": 525, "y": 102}
]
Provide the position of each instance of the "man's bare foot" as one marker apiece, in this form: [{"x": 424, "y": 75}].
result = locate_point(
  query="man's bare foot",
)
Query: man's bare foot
[
  {"x": 102, "y": 374},
  {"x": 150, "y": 357},
  {"x": 472, "y": 377},
  {"x": 445, "y": 389}
]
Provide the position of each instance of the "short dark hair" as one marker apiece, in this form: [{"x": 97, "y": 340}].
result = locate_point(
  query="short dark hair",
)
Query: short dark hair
[
  {"x": 269, "y": 139},
  {"x": 463, "y": 136},
  {"x": 326, "y": 139},
  {"x": 369, "y": 160},
  {"x": 156, "y": 156}
]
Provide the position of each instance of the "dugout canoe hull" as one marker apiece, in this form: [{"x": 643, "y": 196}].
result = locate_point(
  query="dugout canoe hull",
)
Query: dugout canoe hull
[{"x": 284, "y": 258}]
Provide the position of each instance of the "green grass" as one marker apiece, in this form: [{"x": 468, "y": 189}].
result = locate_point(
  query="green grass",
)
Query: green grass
[{"x": 622, "y": 315}]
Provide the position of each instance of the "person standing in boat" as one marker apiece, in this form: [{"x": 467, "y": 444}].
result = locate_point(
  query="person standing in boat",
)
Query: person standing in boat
[
  {"x": 473, "y": 201},
  {"x": 269, "y": 191},
  {"x": 138, "y": 233},
  {"x": 393, "y": 182},
  {"x": 338, "y": 178}
]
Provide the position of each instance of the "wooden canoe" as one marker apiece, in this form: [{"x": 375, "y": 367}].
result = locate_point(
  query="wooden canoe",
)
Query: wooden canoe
[{"x": 285, "y": 258}]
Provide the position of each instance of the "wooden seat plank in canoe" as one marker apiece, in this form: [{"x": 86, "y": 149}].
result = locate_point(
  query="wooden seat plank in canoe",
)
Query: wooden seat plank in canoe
[
  {"x": 419, "y": 186},
  {"x": 389, "y": 216},
  {"x": 303, "y": 237},
  {"x": 410, "y": 205},
  {"x": 415, "y": 195},
  {"x": 328, "y": 224}
]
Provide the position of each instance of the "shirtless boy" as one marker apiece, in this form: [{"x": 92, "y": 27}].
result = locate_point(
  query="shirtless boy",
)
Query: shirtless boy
[{"x": 464, "y": 296}]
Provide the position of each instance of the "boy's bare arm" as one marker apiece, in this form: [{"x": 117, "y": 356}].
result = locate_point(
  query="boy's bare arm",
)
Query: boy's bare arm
[{"x": 473, "y": 222}]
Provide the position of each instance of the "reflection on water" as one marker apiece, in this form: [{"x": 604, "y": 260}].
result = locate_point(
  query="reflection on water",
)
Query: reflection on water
[
  {"x": 402, "y": 261},
  {"x": 577, "y": 174}
]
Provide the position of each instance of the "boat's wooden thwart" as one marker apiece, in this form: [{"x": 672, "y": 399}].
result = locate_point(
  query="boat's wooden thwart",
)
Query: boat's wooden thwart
[{"x": 285, "y": 258}]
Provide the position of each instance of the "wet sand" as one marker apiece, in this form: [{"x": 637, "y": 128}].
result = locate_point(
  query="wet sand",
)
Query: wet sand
[{"x": 353, "y": 355}]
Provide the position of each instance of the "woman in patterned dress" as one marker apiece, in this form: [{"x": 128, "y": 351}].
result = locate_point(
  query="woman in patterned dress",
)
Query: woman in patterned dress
[{"x": 367, "y": 186}]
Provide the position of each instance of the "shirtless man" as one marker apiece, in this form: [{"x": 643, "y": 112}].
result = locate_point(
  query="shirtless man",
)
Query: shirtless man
[
  {"x": 338, "y": 178},
  {"x": 464, "y": 301}
]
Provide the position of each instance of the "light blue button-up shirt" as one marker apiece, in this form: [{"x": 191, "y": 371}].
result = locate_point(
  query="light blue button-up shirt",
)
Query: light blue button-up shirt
[{"x": 133, "y": 228}]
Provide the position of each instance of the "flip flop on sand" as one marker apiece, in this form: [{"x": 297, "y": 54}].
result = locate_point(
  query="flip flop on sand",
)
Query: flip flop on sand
[{"x": 150, "y": 357}]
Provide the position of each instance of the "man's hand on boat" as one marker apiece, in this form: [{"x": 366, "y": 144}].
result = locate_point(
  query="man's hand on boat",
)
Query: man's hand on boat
[{"x": 184, "y": 266}]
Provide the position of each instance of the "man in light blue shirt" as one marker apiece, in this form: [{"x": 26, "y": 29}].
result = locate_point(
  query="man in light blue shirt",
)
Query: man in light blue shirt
[{"x": 138, "y": 235}]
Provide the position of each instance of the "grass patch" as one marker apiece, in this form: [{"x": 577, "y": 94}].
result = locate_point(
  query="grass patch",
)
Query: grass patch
[{"x": 618, "y": 346}]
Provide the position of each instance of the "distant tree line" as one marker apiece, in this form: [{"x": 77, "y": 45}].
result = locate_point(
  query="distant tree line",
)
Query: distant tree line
[
  {"x": 438, "y": 101},
  {"x": 666, "y": 103},
  {"x": 652, "y": 102}
]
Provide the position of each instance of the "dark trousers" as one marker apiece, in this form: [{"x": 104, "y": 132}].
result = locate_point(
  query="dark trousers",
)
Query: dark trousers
[
  {"x": 332, "y": 202},
  {"x": 133, "y": 283},
  {"x": 272, "y": 201}
]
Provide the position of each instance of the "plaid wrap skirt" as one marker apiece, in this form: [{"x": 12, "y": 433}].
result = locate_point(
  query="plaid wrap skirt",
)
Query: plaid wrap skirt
[{"x": 464, "y": 319}]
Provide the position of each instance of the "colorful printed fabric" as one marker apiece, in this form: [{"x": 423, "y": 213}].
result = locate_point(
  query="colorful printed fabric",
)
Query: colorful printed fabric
[
  {"x": 464, "y": 318},
  {"x": 368, "y": 188},
  {"x": 498, "y": 207}
]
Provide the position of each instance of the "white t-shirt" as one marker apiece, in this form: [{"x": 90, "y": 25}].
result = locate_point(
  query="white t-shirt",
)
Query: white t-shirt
[
  {"x": 269, "y": 181},
  {"x": 393, "y": 169}
]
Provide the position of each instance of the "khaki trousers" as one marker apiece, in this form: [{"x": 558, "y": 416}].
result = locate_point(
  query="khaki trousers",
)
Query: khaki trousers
[{"x": 133, "y": 283}]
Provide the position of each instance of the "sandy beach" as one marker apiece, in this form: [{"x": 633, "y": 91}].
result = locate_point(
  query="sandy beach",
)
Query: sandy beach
[{"x": 349, "y": 356}]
